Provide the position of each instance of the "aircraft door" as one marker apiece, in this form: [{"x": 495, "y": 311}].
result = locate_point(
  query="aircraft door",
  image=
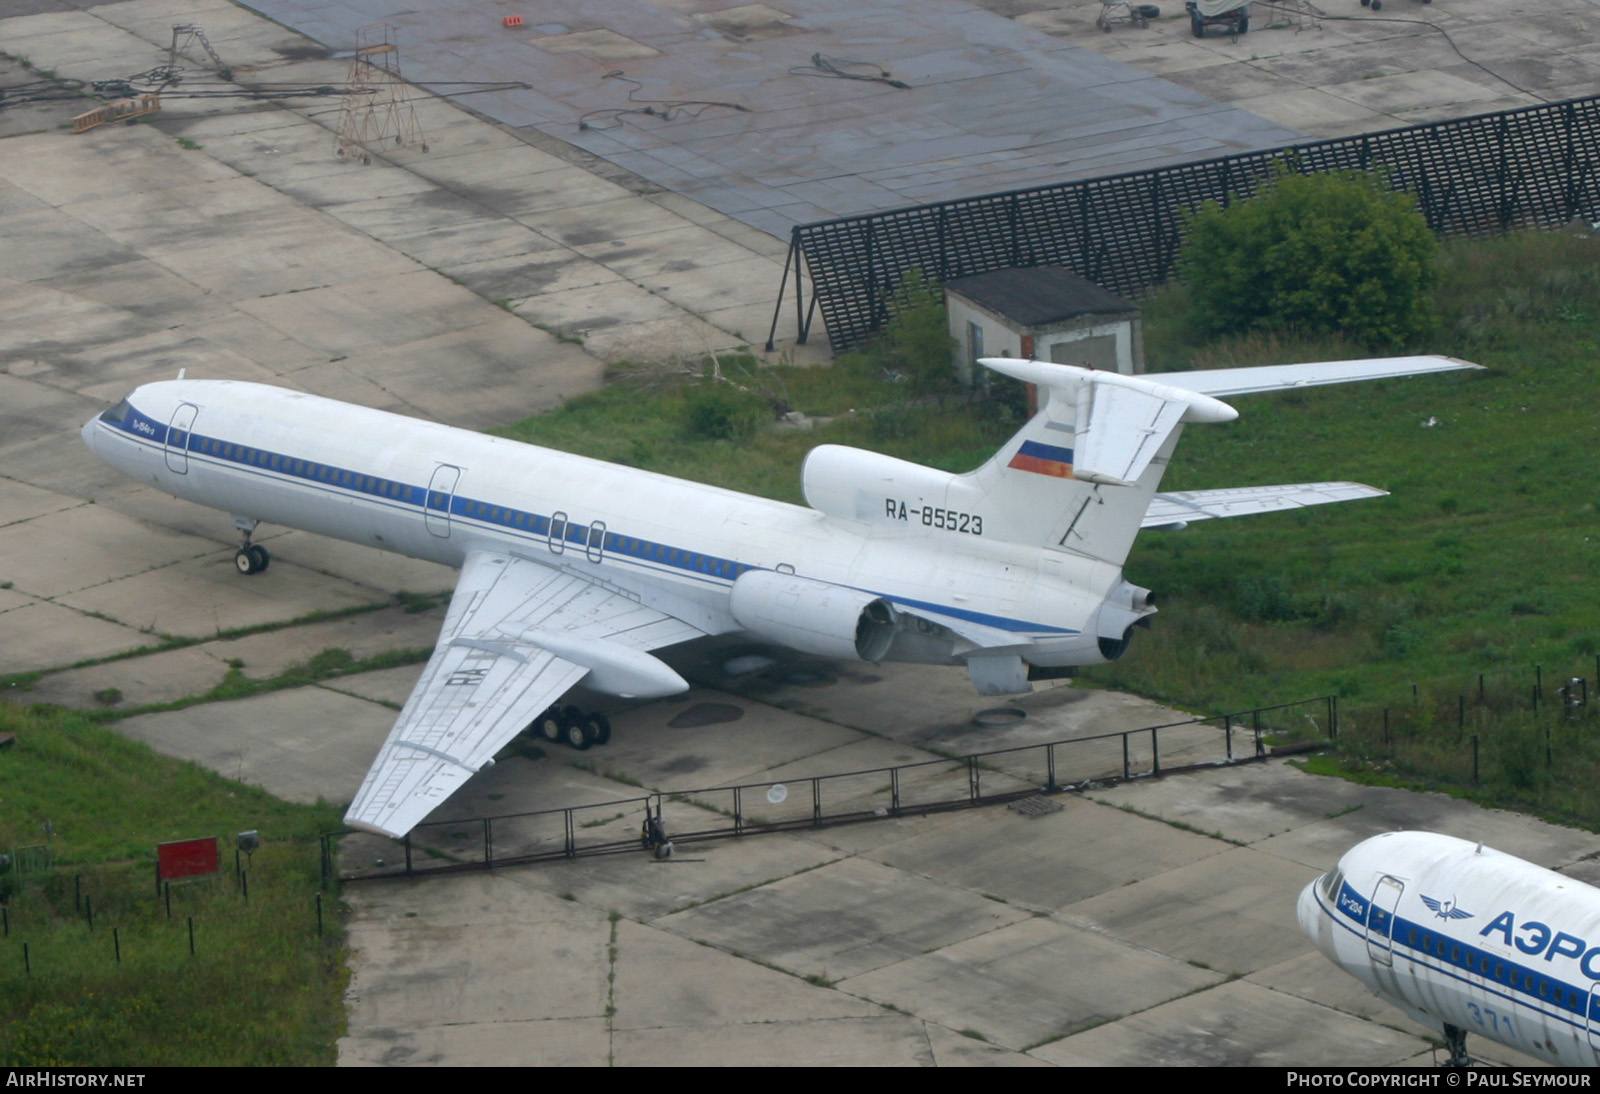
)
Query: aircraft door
[
  {"x": 1592, "y": 1005},
  {"x": 178, "y": 434},
  {"x": 1380, "y": 920},
  {"x": 441, "y": 493}
]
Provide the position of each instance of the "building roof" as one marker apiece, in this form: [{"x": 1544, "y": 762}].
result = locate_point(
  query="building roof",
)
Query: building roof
[{"x": 1038, "y": 295}]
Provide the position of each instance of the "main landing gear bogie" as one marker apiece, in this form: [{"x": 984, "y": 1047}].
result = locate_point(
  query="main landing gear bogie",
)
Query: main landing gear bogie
[{"x": 573, "y": 726}]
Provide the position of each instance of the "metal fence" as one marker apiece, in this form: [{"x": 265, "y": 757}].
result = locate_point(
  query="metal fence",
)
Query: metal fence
[
  {"x": 1536, "y": 166},
  {"x": 929, "y": 786},
  {"x": 1530, "y": 730}
]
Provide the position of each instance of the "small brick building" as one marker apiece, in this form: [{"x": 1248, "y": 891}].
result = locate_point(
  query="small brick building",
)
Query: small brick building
[{"x": 1047, "y": 313}]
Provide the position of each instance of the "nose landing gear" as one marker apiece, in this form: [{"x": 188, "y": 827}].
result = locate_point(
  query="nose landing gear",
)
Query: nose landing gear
[{"x": 251, "y": 558}]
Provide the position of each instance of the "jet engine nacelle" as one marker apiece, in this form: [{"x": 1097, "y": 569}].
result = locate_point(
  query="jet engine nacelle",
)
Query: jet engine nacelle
[
  {"x": 813, "y": 616},
  {"x": 858, "y": 485}
]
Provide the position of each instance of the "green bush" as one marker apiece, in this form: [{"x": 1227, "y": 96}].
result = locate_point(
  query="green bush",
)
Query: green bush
[
  {"x": 722, "y": 412},
  {"x": 917, "y": 337},
  {"x": 1313, "y": 254}
]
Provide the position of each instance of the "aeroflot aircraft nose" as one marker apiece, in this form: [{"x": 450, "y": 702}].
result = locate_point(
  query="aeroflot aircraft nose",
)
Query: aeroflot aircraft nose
[{"x": 1310, "y": 915}]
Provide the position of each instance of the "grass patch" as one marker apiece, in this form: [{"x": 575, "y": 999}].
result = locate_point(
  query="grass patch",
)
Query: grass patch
[
  {"x": 327, "y": 665},
  {"x": 261, "y": 989},
  {"x": 1477, "y": 563}
]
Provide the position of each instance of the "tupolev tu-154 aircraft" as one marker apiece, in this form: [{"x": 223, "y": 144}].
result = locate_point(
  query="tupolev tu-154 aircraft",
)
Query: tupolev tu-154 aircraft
[
  {"x": 1466, "y": 940},
  {"x": 575, "y": 570}
]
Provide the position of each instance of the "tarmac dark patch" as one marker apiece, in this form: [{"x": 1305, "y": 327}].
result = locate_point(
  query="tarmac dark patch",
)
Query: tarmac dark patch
[
  {"x": 706, "y": 714},
  {"x": 301, "y": 51},
  {"x": 683, "y": 765}
]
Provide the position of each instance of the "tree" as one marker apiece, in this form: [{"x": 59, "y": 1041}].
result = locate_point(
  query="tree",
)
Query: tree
[
  {"x": 916, "y": 340},
  {"x": 1314, "y": 254}
]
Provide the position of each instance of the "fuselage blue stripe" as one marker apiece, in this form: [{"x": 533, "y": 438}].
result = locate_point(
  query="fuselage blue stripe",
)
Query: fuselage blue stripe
[
  {"x": 412, "y": 498},
  {"x": 1509, "y": 980}
]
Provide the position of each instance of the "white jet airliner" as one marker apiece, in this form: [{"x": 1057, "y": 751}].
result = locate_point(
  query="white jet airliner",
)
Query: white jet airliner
[
  {"x": 1466, "y": 940},
  {"x": 574, "y": 570}
]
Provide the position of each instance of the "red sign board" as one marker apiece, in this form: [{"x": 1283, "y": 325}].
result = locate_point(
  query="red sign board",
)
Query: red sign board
[{"x": 187, "y": 857}]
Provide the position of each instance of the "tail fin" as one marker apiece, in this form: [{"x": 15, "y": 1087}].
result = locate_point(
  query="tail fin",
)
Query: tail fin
[{"x": 1080, "y": 475}]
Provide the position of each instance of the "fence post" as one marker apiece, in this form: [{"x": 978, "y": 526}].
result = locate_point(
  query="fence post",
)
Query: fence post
[
  {"x": 1227, "y": 734},
  {"x": 1014, "y": 251},
  {"x": 407, "y": 843},
  {"x": 116, "y": 943},
  {"x": 1569, "y": 187},
  {"x": 816, "y": 801},
  {"x": 488, "y": 841},
  {"x": 1502, "y": 175},
  {"x": 943, "y": 273},
  {"x": 894, "y": 790},
  {"x": 1155, "y": 751},
  {"x": 873, "y": 322},
  {"x": 738, "y": 811},
  {"x": 1125, "y": 770},
  {"x": 973, "y": 793},
  {"x": 571, "y": 833},
  {"x": 1050, "y": 766}
]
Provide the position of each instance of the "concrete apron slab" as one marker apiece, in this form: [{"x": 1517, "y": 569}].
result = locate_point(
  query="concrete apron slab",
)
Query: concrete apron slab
[
  {"x": 1235, "y": 1025},
  {"x": 842, "y": 920},
  {"x": 1031, "y": 982},
  {"x": 305, "y": 744}
]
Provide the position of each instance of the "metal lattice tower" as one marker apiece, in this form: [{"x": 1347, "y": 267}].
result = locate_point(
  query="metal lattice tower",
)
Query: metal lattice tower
[
  {"x": 377, "y": 111},
  {"x": 185, "y": 35}
]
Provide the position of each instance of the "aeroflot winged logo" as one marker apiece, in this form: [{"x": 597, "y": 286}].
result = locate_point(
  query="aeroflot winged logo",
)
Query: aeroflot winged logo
[{"x": 1445, "y": 908}]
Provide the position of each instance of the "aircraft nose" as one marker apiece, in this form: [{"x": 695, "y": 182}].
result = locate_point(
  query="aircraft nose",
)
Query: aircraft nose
[
  {"x": 1310, "y": 915},
  {"x": 89, "y": 432}
]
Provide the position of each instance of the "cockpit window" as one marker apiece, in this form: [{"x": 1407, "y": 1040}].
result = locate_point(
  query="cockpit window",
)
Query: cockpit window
[
  {"x": 117, "y": 414},
  {"x": 1331, "y": 882}
]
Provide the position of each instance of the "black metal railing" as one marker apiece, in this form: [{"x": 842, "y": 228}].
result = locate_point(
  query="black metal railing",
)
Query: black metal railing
[{"x": 813, "y": 801}]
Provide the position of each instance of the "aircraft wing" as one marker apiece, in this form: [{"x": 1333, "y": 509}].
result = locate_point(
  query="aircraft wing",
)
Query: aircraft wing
[
  {"x": 517, "y": 636},
  {"x": 1223, "y": 382},
  {"x": 1185, "y": 507}
]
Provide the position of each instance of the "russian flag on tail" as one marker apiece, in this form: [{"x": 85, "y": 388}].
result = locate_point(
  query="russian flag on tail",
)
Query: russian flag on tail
[{"x": 1043, "y": 459}]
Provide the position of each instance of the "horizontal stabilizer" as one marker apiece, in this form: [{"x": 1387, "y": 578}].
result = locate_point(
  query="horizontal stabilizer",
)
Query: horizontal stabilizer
[
  {"x": 1184, "y": 507},
  {"x": 1222, "y": 382}
]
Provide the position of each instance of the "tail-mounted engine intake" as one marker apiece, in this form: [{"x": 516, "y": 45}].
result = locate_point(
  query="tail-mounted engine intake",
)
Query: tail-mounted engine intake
[
  {"x": 1126, "y": 606},
  {"x": 813, "y": 616}
]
